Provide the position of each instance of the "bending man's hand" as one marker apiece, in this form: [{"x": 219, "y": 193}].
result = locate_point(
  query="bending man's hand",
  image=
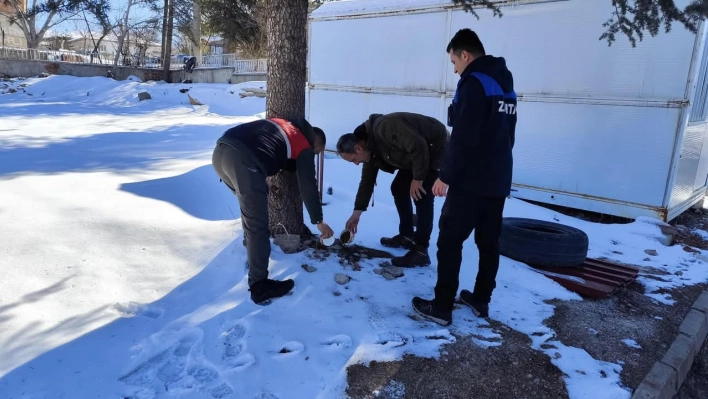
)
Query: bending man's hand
[
  {"x": 417, "y": 190},
  {"x": 353, "y": 222}
]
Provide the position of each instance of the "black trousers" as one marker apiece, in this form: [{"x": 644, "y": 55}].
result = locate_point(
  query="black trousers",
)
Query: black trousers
[
  {"x": 242, "y": 173},
  {"x": 401, "y": 188},
  {"x": 461, "y": 214}
]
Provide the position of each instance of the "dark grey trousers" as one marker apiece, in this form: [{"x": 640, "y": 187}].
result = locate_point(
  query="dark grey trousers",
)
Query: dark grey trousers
[{"x": 239, "y": 169}]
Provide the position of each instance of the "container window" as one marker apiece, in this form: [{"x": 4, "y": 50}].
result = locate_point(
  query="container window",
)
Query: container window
[{"x": 699, "y": 112}]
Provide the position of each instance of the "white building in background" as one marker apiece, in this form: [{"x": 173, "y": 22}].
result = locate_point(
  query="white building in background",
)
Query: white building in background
[{"x": 616, "y": 130}]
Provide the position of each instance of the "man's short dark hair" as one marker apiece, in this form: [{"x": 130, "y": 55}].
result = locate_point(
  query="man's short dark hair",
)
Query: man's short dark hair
[
  {"x": 346, "y": 143},
  {"x": 320, "y": 136},
  {"x": 466, "y": 40}
]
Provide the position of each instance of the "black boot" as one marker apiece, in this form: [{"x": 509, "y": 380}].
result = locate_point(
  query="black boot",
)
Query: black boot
[
  {"x": 431, "y": 311},
  {"x": 416, "y": 257},
  {"x": 398, "y": 241},
  {"x": 265, "y": 290},
  {"x": 480, "y": 309}
]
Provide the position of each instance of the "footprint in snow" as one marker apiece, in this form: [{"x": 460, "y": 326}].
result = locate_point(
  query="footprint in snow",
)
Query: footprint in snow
[
  {"x": 392, "y": 339},
  {"x": 291, "y": 347},
  {"x": 338, "y": 341},
  {"x": 265, "y": 395},
  {"x": 178, "y": 369},
  {"x": 132, "y": 309},
  {"x": 234, "y": 345}
]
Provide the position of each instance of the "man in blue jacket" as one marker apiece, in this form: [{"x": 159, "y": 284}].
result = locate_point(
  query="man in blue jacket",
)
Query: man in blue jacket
[
  {"x": 244, "y": 156},
  {"x": 475, "y": 177}
]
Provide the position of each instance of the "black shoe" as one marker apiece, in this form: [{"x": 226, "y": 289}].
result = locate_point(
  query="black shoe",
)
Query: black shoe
[
  {"x": 480, "y": 309},
  {"x": 431, "y": 311},
  {"x": 265, "y": 290},
  {"x": 398, "y": 241},
  {"x": 416, "y": 257}
]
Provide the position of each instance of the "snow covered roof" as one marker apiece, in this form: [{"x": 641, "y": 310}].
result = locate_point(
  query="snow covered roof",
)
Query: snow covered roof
[
  {"x": 341, "y": 8},
  {"x": 354, "y": 7}
]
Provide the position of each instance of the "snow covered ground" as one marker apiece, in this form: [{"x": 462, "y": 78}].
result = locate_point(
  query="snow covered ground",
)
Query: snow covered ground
[{"x": 123, "y": 270}]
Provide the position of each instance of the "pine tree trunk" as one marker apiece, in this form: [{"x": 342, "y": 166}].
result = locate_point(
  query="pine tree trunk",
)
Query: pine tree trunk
[{"x": 287, "y": 49}]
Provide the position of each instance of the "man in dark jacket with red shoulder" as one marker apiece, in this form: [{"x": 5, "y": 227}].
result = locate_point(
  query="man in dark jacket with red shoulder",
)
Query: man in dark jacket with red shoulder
[
  {"x": 475, "y": 177},
  {"x": 244, "y": 156}
]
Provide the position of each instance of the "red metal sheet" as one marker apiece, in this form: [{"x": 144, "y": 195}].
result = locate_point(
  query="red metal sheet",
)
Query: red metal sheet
[{"x": 595, "y": 278}]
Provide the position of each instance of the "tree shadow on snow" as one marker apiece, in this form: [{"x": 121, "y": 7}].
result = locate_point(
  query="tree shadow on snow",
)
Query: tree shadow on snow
[
  {"x": 117, "y": 151},
  {"x": 197, "y": 192},
  {"x": 90, "y": 366}
]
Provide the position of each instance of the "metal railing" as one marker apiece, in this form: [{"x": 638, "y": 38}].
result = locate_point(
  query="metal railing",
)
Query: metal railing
[
  {"x": 78, "y": 57},
  {"x": 246, "y": 66},
  {"x": 240, "y": 66},
  {"x": 176, "y": 63}
]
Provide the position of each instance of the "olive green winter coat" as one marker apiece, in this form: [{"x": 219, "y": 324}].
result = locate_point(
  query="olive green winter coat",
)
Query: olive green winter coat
[{"x": 400, "y": 140}]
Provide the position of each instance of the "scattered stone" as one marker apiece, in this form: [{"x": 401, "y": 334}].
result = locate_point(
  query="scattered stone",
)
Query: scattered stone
[
  {"x": 647, "y": 259},
  {"x": 341, "y": 278},
  {"x": 309, "y": 269},
  {"x": 691, "y": 250},
  {"x": 43, "y": 75},
  {"x": 252, "y": 92},
  {"x": 394, "y": 271},
  {"x": 651, "y": 252},
  {"x": 617, "y": 252},
  {"x": 388, "y": 276},
  {"x": 378, "y": 271},
  {"x": 12, "y": 90},
  {"x": 337, "y": 293},
  {"x": 144, "y": 96},
  {"x": 529, "y": 375},
  {"x": 183, "y": 90},
  {"x": 4, "y": 86},
  {"x": 557, "y": 355}
]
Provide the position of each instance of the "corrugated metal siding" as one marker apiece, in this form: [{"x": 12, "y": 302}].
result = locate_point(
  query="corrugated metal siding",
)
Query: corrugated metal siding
[
  {"x": 700, "y": 103},
  {"x": 347, "y": 118},
  {"x": 407, "y": 52},
  {"x": 574, "y": 148},
  {"x": 615, "y": 152},
  {"x": 702, "y": 173},
  {"x": 404, "y": 52},
  {"x": 591, "y": 149},
  {"x": 688, "y": 164},
  {"x": 553, "y": 48}
]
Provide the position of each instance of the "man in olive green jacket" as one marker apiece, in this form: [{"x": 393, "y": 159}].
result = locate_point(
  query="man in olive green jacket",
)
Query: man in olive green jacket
[{"x": 414, "y": 145}]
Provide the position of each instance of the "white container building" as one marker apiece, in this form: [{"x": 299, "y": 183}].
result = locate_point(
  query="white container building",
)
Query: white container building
[{"x": 610, "y": 129}]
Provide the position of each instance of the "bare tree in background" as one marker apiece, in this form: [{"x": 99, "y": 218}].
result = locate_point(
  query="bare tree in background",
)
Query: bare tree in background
[
  {"x": 39, "y": 16},
  {"x": 241, "y": 23},
  {"x": 126, "y": 24},
  {"x": 144, "y": 35}
]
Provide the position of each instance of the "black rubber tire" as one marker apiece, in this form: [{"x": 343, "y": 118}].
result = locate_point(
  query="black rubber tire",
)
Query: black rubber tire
[{"x": 543, "y": 244}]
